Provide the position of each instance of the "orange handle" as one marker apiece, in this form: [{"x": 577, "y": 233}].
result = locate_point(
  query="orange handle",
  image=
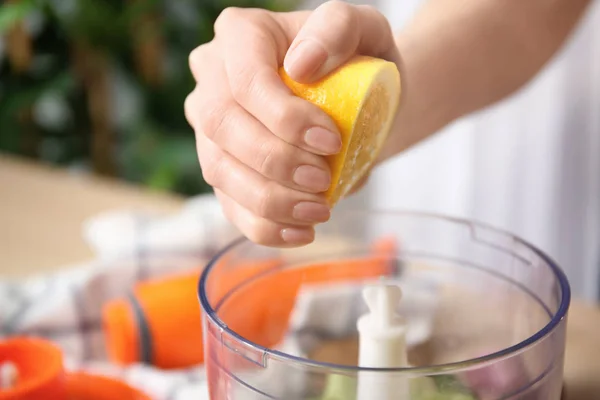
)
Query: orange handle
[{"x": 160, "y": 324}]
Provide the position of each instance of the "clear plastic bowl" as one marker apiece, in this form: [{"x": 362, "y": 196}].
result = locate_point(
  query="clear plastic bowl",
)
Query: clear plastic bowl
[{"x": 486, "y": 312}]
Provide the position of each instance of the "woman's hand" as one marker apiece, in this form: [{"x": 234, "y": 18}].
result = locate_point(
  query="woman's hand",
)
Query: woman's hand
[{"x": 259, "y": 146}]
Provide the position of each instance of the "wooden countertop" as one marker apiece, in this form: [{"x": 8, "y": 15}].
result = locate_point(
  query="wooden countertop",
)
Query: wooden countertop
[{"x": 41, "y": 211}]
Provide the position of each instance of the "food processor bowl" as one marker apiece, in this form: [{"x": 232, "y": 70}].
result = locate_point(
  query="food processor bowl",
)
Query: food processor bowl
[{"x": 485, "y": 313}]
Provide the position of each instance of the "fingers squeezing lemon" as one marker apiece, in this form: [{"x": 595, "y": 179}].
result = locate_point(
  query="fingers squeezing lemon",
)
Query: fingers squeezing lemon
[{"x": 362, "y": 98}]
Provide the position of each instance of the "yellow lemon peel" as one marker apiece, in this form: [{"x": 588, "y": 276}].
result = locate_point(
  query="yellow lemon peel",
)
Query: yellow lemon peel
[{"x": 362, "y": 98}]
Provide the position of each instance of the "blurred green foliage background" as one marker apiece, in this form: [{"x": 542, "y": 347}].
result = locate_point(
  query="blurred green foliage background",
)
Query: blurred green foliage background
[{"x": 99, "y": 85}]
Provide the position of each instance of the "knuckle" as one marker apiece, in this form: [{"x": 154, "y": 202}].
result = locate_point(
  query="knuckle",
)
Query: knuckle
[
  {"x": 239, "y": 91},
  {"x": 205, "y": 174},
  {"x": 245, "y": 83},
  {"x": 285, "y": 118},
  {"x": 267, "y": 159},
  {"x": 197, "y": 56},
  {"x": 213, "y": 121},
  {"x": 376, "y": 18},
  {"x": 341, "y": 13},
  {"x": 255, "y": 15},
  {"x": 228, "y": 17},
  {"x": 379, "y": 18},
  {"x": 238, "y": 20},
  {"x": 227, "y": 210},
  {"x": 264, "y": 201},
  {"x": 226, "y": 207},
  {"x": 188, "y": 109},
  {"x": 212, "y": 170},
  {"x": 260, "y": 232}
]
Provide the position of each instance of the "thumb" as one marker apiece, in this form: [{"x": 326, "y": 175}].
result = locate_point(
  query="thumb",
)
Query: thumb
[{"x": 332, "y": 34}]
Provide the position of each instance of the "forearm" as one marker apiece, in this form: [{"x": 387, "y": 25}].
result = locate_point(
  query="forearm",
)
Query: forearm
[{"x": 462, "y": 55}]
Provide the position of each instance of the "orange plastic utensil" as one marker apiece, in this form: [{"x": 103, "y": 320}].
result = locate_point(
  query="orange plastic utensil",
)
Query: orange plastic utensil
[
  {"x": 83, "y": 386},
  {"x": 160, "y": 323},
  {"x": 41, "y": 375},
  {"x": 39, "y": 365}
]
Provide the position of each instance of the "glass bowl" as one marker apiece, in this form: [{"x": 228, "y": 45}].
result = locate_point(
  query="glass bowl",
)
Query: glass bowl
[{"x": 485, "y": 312}]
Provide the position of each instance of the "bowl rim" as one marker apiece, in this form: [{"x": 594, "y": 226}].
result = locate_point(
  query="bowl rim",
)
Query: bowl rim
[{"x": 545, "y": 331}]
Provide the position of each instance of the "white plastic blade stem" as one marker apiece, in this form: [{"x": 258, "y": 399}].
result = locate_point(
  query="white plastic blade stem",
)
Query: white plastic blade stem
[{"x": 382, "y": 344}]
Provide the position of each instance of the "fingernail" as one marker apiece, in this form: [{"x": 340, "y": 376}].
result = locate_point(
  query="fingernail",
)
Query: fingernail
[
  {"x": 297, "y": 236},
  {"x": 323, "y": 141},
  {"x": 312, "y": 178},
  {"x": 304, "y": 59},
  {"x": 311, "y": 212}
]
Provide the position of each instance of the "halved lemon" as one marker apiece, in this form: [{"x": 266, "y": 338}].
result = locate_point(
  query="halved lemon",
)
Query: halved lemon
[{"x": 362, "y": 98}]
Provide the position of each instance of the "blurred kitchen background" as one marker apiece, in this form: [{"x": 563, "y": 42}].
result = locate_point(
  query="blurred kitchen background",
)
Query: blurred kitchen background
[{"x": 99, "y": 85}]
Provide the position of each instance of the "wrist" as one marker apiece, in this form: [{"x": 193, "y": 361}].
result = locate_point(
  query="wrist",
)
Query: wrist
[{"x": 423, "y": 109}]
